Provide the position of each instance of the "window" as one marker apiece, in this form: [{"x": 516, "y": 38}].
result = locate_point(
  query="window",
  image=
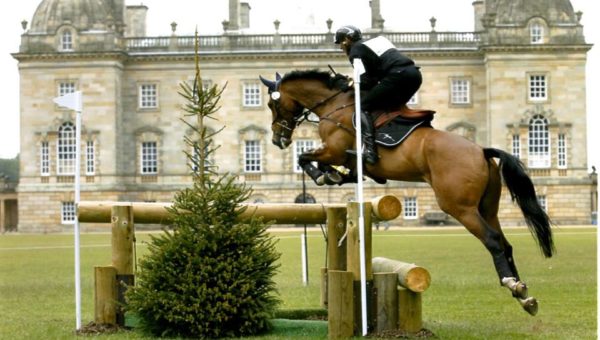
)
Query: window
[
  {"x": 410, "y": 208},
  {"x": 516, "y": 146},
  {"x": 539, "y": 143},
  {"x": 66, "y": 88},
  {"x": 149, "y": 158},
  {"x": 67, "y": 212},
  {"x": 90, "y": 164},
  {"x": 66, "y": 41},
  {"x": 543, "y": 203},
  {"x": 536, "y": 33},
  {"x": 148, "y": 96},
  {"x": 251, "y": 92},
  {"x": 301, "y": 146},
  {"x": 538, "y": 87},
  {"x": 252, "y": 156},
  {"x": 66, "y": 150},
  {"x": 45, "y": 159},
  {"x": 562, "y": 151},
  {"x": 460, "y": 91}
]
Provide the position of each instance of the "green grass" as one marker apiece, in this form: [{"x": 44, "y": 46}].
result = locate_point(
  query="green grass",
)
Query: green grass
[{"x": 465, "y": 301}]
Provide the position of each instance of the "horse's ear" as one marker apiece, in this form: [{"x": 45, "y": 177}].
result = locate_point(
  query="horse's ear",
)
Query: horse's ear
[
  {"x": 271, "y": 85},
  {"x": 277, "y": 76}
]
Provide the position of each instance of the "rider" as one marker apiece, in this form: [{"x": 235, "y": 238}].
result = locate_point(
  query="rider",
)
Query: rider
[{"x": 390, "y": 77}]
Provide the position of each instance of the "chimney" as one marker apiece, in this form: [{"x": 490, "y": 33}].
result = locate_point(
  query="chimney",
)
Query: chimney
[
  {"x": 234, "y": 15},
  {"x": 135, "y": 19},
  {"x": 376, "y": 18},
  {"x": 245, "y": 15},
  {"x": 478, "y": 10}
]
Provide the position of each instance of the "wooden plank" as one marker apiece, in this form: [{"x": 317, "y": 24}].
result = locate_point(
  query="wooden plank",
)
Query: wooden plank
[
  {"x": 410, "y": 318},
  {"x": 386, "y": 286},
  {"x": 336, "y": 228},
  {"x": 105, "y": 295},
  {"x": 341, "y": 301}
]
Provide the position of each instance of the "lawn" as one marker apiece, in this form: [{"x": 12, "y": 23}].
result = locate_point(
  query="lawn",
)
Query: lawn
[{"x": 464, "y": 301}]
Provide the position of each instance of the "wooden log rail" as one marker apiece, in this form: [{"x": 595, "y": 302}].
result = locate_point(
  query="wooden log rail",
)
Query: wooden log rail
[{"x": 385, "y": 208}]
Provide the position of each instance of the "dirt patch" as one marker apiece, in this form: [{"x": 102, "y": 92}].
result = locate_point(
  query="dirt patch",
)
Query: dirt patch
[
  {"x": 399, "y": 334},
  {"x": 93, "y": 328}
]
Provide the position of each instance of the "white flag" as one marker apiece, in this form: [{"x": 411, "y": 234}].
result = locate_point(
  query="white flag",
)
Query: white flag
[{"x": 70, "y": 101}]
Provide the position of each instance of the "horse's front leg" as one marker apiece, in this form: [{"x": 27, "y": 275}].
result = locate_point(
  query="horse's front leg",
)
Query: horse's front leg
[{"x": 323, "y": 173}]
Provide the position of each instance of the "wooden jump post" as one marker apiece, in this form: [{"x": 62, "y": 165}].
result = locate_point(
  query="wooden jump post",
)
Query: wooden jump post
[
  {"x": 111, "y": 281},
  {"x": 393, "y": 287}
]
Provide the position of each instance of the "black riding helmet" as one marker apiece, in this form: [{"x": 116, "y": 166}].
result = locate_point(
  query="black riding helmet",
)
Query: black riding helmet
[{"x": 349, "y": 31}]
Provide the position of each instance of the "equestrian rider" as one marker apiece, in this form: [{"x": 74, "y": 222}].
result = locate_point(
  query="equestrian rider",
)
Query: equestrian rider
[{"x": 390, "y": 79}]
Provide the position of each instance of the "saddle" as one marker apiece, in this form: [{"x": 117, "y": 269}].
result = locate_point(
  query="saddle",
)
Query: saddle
[{"x": 381, "y": 118}]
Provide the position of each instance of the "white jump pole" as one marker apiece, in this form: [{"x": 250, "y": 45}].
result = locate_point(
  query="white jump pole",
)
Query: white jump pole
[
  {"x": 73, "y": 101},
  {"x": 358, "y": 70}
]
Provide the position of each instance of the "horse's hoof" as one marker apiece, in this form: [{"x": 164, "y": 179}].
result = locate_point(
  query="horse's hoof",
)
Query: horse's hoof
[
  {"x": 320, "y": 180},
  {"x": 530, "y": 305},
  {"x": 332, "y": 178}
]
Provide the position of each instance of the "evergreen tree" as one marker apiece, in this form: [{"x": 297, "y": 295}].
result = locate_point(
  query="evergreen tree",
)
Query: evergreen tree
[{"x": 212, "y": 275}]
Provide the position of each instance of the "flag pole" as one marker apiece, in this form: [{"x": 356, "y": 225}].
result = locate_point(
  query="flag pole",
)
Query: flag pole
[
  {"x": 73, "y": 101},
  {"x": 358, "y": 70}
]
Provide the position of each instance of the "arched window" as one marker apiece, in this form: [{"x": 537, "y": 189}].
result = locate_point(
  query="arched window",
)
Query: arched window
[
  {"x": 539, "y": 142},
  {"x": 66, "y": 149},
  {"x": 536, "y": 33},
  {"x": 66, "y": 41}
]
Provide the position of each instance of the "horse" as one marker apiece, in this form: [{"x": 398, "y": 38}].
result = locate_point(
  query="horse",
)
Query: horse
[{"x": 464, "y": 176}]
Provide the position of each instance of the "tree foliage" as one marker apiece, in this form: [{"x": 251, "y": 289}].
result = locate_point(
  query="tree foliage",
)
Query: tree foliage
[{"x": 211, "y": 275}]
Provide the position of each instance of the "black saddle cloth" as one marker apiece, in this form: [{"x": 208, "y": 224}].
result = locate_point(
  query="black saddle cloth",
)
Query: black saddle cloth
[{"x": 396, "y": 131}]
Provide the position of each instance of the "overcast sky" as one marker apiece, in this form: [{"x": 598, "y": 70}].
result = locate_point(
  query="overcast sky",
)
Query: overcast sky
[{"x": 295, "y": 16}]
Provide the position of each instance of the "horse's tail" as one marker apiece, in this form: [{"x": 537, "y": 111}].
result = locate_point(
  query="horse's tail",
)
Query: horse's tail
[{"x": 521, "y": 190}]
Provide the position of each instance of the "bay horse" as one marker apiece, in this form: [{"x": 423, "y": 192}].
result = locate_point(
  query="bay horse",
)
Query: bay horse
[{"x": 464, "y": 176}]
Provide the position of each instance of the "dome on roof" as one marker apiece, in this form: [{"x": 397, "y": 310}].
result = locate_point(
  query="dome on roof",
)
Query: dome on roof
[
  {"x": 520, "y": 11},
  {"x": 82, "y": 14}
]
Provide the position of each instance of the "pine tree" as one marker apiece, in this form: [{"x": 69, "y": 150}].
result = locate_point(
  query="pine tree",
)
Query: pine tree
[{"x": 211, "y": 276}]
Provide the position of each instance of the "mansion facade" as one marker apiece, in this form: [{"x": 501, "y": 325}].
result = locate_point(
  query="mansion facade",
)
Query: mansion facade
[{"x": 516, "y": 82}]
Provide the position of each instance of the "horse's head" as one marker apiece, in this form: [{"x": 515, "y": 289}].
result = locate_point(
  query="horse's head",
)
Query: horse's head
[{"x": 285, "y": 112}]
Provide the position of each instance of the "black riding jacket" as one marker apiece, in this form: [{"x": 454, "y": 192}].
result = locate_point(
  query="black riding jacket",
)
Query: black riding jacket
[{"x": 380, "y": 58}]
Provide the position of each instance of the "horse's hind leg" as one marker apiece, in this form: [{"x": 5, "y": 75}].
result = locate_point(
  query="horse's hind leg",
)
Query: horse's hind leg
[
  {"x": 501, "y": 252},
  {"x": 488, "y": 209}
]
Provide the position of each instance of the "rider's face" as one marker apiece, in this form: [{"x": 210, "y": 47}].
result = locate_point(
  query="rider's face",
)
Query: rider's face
[{"x": 345, "y": 45}]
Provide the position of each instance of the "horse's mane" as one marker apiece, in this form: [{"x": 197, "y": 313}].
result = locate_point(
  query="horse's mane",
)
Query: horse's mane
[{"x": 338, "y": 81}]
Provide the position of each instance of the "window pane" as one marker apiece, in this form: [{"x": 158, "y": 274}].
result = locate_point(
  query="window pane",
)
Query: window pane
[
  {"x": 66, "y": 41},
  {"x": 148, "y": 96},
  {"x": 410, "y": 208},
  {"x": 459, "y": 91},
  {"x": 516, "y": 146},
  {"x": 252, "y": 96},
  {"x": 562, "y": 151},
  {"x": 90, "y": 165},
  {"x": 66, "y": 88},
  {"x": 536, "y": 32},
  {"x": 149, "y": 158},
  {"x": 537, "y": 87},
  {"x": 66, "y": 150},
  {"x": 539, "y": 143},
  {"x": 67, "y": 212},
  {"x": 45, "y": 159},
  {"x": 252, "y": 156}
]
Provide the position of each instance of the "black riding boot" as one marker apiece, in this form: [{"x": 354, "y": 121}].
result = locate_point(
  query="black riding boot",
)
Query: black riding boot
[{"x": 370, "y": 155}]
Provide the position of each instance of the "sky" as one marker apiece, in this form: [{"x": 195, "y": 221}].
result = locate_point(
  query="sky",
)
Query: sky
[{"x": 295, "y": 16}]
